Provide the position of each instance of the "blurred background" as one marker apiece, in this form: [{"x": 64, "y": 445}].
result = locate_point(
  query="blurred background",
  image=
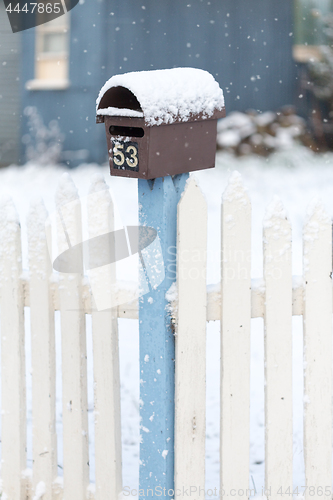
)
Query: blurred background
[
  {"x": 268, "y": 56},
  {"x": 273, "y": 60}
]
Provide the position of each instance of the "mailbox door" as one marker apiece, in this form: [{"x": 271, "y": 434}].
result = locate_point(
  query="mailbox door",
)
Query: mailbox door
[{"x": 128, "y": 144}]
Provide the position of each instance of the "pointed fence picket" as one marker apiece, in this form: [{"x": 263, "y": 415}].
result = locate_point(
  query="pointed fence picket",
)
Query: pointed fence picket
[
  {"x": 73, "y": 347},
  {"x": 42, "y": 354},
  {"x": 235, "y": 337},
  {"x": 13, "y": 405},
  {"x": 234, "y": 302},
  {"x": 278, "y": 352},
  {"x": 190, "y": 398},
  {"x": 317, "y": 317},
  {"x": 105, "y": 352}
]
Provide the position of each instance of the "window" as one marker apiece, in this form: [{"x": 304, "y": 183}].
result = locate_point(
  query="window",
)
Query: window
[
  {"x": 52, "y": 55},
  {"x": 309, "y": 15}
]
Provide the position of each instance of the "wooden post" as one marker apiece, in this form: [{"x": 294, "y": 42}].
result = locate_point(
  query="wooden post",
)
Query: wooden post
[{"x": 158, "y": 201}]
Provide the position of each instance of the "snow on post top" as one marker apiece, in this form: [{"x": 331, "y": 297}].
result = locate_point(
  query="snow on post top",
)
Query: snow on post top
[
  {"x": 162, "y": 96},
  {"x": 275, "y": 213},
  {"x": 235, "y": 190},
  {"x": 66, "y": 191}
]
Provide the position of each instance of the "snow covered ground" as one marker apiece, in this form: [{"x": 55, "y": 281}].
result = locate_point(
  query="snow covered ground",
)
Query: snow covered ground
[{"x": 296, "y": 176}]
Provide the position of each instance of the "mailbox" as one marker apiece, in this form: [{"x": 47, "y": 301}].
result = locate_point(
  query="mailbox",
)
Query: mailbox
[{"x": 160, "y": 122}]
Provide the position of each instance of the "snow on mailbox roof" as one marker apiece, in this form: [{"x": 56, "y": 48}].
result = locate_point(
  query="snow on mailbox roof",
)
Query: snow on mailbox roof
[{"x": 162, "y": 96}]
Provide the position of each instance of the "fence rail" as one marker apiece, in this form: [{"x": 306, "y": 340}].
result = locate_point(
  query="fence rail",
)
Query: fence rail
[
  {"x": 234, "y": 301},
  {"x": 128, "y": 308}
]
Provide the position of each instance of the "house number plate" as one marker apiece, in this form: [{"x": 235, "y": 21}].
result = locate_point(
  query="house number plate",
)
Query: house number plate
[{"x": 125, "y": 155}]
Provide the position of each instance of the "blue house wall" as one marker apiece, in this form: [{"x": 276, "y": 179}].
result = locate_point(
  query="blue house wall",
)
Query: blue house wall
[
  {"x": 74, "y": 108},
  {"x": 245, "y": 44}
]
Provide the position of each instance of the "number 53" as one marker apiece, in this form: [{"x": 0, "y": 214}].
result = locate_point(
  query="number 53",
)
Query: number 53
[{"x": 130, "y": 155}]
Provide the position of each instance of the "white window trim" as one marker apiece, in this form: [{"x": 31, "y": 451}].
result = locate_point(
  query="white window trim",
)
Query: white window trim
[
  {"x": 305, "y": 53},
  {"x": 47, "y": 84}
]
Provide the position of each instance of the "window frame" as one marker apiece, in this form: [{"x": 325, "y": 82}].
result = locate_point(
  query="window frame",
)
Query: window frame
[
  {"x": 47, "y": 83},
  {"x": 304, "y": 52}
]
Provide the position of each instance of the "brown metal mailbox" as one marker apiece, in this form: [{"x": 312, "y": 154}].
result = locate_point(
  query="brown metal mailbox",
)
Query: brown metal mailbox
[{"x": 160, "y": 122}]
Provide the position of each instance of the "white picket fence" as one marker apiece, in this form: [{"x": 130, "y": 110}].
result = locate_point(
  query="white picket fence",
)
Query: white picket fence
[{"x": 234, "y": 302}]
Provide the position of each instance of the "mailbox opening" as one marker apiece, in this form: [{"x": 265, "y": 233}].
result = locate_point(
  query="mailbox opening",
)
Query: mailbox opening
[
  {"x": 119, "y": 97},
  {"x": 126, "y": 131}
]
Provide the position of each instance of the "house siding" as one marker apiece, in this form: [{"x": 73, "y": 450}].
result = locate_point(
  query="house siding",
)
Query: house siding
[
  {"x": 245, "y": 44},
  {"x": 10, "y": 102}
]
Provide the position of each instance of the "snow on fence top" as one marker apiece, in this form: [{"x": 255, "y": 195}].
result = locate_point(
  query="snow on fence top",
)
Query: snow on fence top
[{"x": 162, "y": 96}]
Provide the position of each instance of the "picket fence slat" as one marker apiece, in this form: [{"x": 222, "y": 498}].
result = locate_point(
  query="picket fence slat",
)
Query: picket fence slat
[
  {"x": 317, "y": 263},
  {"x": 13, "y": 404},
  {"x": 44, "y": 437},
  {"x": 190, "y": 354},
  {"x": 278, "y": 352},
  {"x": 235, "y": 336},
  {"x": 105, "y": 352},
  {"x": 73, "y": 348}
]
